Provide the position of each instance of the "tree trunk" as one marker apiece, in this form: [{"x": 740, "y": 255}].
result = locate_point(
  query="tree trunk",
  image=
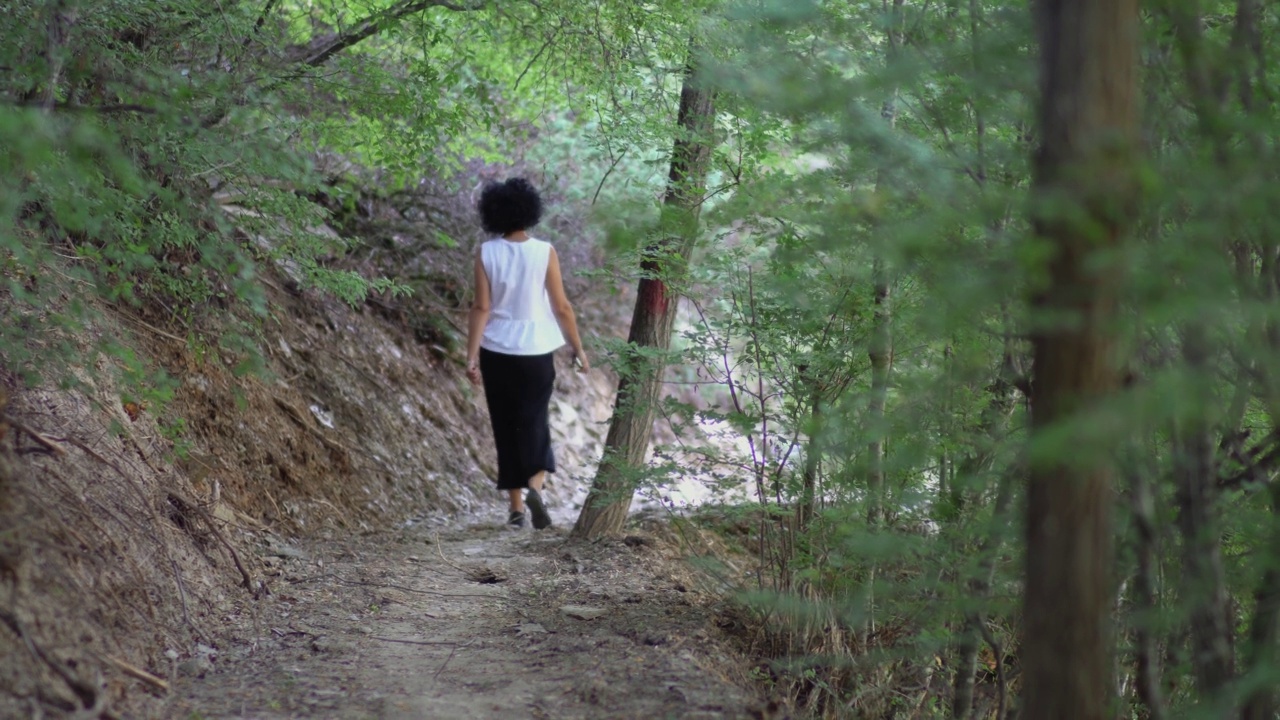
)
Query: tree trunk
[
  {"x": 631, "y": 427},
  {"x": 1146, "y": 660},
  {"x": 979, "y": 588},
  {"x": 880, "y": 352},
  {"x": 1262, "y": 702},
  {"x": 1084, "y": 188},
  {"x": 995, "y": 421},
  {"x": 808, "y": 507},
  {"x": 880, "y": 347},
  {"x": 1204, "y": 584}
]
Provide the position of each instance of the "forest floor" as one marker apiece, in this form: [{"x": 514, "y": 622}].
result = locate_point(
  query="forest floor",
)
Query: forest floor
[{"x": 475, "y": 620}]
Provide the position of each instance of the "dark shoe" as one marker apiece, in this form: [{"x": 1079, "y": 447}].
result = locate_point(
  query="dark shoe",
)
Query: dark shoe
[
  {"x": 516, "y": 519},
  {"x": 536, "y": 508}
]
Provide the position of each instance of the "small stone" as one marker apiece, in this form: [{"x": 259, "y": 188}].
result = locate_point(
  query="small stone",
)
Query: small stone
[
  {"x": 530, "y": 629},
  {"x": 281, "y": 550},
  {"x": 583, "y": 612},
  {"x": 324, "y": 644},
  {"x": 196, "y": 666}
]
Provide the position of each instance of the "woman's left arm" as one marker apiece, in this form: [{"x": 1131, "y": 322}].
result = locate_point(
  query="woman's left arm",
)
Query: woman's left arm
[{"x": 478, "y": 319}]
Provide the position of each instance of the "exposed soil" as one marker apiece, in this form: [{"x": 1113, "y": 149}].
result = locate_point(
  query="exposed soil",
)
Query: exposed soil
[{"x": 474, "y": 620}]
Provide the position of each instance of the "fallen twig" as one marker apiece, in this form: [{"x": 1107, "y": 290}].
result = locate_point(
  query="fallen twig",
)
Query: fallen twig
[
  {"x": 246, "y": 579},
  {"x": 445, "y": 664},
  {"x": 362, "y": 583},
  {"x": 41, "y": 439},
  {"x": 454, "y": 645},
  {"x": 445, "y": 559},
  {"x": 139, "y": 674},
  {"x": 153, "y": 328}
]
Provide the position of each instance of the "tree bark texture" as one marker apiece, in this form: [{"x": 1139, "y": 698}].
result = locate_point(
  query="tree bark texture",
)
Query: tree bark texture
[
  {"x": 1084, "y": 192},
  {"x": 639, "y": 389}
]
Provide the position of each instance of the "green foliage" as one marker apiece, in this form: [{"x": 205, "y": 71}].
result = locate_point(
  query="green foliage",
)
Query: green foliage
[{"x": 124, "y": 133}]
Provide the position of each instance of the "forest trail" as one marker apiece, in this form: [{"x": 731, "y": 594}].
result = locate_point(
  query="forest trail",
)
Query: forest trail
[{"x": 473, "y": 620}]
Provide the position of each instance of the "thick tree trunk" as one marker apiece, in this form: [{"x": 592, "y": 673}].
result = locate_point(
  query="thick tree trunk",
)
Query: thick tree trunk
[
  {"x": 631, "y": 427},
  {"x": 1084, "y": 188}
]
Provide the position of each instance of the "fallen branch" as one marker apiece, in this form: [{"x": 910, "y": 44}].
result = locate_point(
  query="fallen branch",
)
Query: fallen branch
[
  {"x": 138, "y": 673},
  {"x": 245, "y": 579},
  {"x": 453, "y": 645},
  {"x": 444, "y": 559},
  {"x": 41, "y": 439},
  {"x": 148, "y": 326}
]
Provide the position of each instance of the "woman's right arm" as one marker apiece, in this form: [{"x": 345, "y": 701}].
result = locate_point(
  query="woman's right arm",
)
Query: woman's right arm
[
  {"x": 563, "y": 310},
  {"x": 478, "y": 319}
]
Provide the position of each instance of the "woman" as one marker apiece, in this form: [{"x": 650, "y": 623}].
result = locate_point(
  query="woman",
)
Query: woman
[{"x": 520, "y": 317}]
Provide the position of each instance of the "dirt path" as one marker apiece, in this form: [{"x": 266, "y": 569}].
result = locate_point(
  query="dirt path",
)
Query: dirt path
[{"x": 475, "y": 621}]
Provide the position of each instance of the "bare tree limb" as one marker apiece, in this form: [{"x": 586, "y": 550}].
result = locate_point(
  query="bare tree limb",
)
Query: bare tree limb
[{"x": 319, "y": 51}]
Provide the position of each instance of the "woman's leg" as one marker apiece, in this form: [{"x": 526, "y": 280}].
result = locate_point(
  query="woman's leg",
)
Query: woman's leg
[
  {"x": 536, "y": 481},
  {"x": 516, "y": 499}
]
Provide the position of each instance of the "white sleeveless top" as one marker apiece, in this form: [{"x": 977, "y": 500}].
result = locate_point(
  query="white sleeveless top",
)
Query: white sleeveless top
[{"x": 520, "y": 318}]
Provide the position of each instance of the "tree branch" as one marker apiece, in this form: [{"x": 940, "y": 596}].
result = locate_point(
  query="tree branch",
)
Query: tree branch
[
  {"x": 100, "y": 109},
  {"x": 319, "y": 51},
  {"x": 1258, "y": 463},
  {"x": 262, "y": 20}
]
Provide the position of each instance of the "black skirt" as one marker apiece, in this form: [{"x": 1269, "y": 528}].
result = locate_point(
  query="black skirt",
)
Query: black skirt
[{"x": 518, "y": 390}]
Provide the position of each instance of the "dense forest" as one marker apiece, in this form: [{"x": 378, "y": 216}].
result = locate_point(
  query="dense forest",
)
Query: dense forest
[{"x": 981, "y": 298}]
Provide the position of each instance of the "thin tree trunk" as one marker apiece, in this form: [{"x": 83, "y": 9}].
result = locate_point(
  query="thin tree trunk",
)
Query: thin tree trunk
[
  {"x": 1204, "y": 585},
  {"x": 1146, "y": 653},
  {"x": 995, "y": 420},
  {"x": 1084, "y": 187},
  {"x": 808, "y": 507},
  {"x": 1263, "y": 703},
  {"x": 880, "y": 352},
  {"x": 631, "y": 426},
  {"x": 979, "y": 587},
  {"x": 880, "y": 347}
]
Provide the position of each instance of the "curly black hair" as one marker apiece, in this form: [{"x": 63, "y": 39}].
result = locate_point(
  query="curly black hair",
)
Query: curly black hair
[{"x": 509, "y": 206}]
